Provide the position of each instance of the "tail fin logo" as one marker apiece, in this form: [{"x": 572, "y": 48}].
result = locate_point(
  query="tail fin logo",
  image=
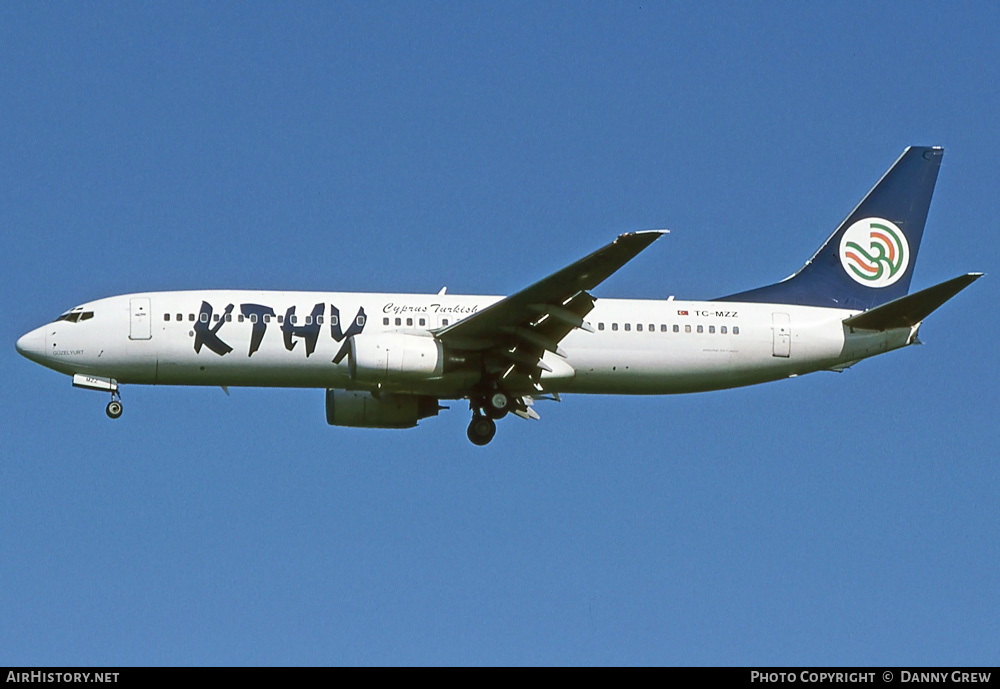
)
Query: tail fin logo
[{"x": 874, "y": 252}]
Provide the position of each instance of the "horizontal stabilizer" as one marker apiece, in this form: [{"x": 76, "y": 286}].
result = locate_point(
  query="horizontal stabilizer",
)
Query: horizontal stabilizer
[{"x": 907, "y": 311}]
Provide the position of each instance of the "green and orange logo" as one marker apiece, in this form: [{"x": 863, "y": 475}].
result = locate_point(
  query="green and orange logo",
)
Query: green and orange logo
[{"x": 874, "y": 252}]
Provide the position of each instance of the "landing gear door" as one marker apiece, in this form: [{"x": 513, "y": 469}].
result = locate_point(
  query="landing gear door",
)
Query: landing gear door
[
  {"x": 782, "y": 328},
  {"x": 140, "y": 320}
]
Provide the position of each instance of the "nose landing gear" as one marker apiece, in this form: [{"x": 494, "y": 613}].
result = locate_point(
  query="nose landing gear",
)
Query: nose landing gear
[{"x": 114, "y": 408}]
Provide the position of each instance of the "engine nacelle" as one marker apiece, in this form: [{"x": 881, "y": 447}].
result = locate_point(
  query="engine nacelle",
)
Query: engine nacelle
[
  {"x": 395, "y": 357},
  {"x": 364, "y": 410}
]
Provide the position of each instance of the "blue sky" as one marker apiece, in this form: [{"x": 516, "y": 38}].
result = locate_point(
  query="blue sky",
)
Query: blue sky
[{"x": 833, "y": 519}]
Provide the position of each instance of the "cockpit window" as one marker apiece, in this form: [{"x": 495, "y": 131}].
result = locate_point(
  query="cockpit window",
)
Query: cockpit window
[{"x": 76, "y": 315}]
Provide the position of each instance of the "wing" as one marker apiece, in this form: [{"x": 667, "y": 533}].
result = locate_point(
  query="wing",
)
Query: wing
[{"x": 514, "y": 333}]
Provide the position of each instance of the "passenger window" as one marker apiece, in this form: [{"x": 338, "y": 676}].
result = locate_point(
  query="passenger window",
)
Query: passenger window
[
  {"x": 281, "y": 319},
  {"x": 409, "y": 321},
  {"x": 711, "y": 330},
  {"x": 253, "y": 318},
  {"x": 385, "y": 321},
  {"x": 166, "y": 316},
  {"x": 677, "y": 328},
  {"x": 628, "y": 327},
  {"x": 722, "y": 330},
  {"x": 663, "y": 328},
  {"x": 652, "y": 328},
  {"x": 215, "y": 318},
  {"x": 361, "y": 321},
  {"x": 638, "y": 327},
  {"x": 204, "y": 318},
  {"x": 423, "y": 321},
  {"x": 180, "y": 316},
  {"x": 239, "y": 319},
  {"x": 399, "y": 321},
  {"x": 600, "y": 326},
  {"x": 701, "y": 329},
  {"x": 293, "y": 319},
  {"x": 229, "y": 318},
  {"x": 190, "y": 316},
  {"x": 444, "y": 321},
  {"x": 614, "y": 326},
  {"x": 687, "y": 328},
  {"x": 335, "y": 319},
  {"x": 319, "y": 320},
  {"x": 309, "y": 319},
  {"x": 267, "y": 318},
  {"x": 736, "y": 330}
]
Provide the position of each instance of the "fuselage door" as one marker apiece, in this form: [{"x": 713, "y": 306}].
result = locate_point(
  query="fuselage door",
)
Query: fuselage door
[
  {"x": 782, "y": 328},
  {"x": 140, "y": 320}
]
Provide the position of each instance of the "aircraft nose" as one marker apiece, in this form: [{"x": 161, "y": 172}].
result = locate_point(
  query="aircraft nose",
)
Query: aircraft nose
[{"x": 32, "y": 345}]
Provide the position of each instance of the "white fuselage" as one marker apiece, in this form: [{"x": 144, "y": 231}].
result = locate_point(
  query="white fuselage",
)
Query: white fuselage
[{"x": 637, "y": 347}]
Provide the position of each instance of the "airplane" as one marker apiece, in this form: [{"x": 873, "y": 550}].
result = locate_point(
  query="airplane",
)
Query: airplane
[{"x": 388, "y": 360}]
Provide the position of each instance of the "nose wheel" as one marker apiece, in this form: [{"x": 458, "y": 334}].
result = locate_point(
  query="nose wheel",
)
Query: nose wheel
[{"x": 114, "y": 408}]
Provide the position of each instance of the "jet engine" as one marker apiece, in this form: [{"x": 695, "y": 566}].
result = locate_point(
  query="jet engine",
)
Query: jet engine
[
  {"x": 364, "y": 410},
  {"x": 395, "y": 357}
]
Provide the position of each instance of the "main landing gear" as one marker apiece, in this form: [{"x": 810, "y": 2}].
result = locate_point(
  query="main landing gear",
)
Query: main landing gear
[
  {"x": 481, "y": 429},
  {"x": 486, "y": 410},
  {"x": 497, "y": 404}
]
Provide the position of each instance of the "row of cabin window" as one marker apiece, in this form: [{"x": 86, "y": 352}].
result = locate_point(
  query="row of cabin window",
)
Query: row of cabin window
[
  {"x": 723, "y": 330},
  {"x": 253, "y": 318},
  {"x": 409, "y": 321}
]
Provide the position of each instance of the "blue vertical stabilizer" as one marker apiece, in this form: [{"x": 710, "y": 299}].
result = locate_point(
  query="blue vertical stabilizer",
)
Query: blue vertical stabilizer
[{"x": 869, "y": 259}]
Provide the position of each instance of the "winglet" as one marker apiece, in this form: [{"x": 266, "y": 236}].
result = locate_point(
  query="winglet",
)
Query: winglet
[
  {"x": 645, "y": 236},
  {"x": 907, "y": 311}
]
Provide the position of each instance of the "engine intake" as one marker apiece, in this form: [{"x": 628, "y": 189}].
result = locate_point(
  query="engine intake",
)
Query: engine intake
[{"x": 364, "y": 410}]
